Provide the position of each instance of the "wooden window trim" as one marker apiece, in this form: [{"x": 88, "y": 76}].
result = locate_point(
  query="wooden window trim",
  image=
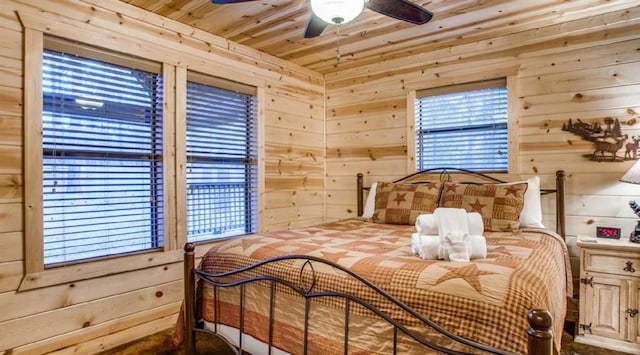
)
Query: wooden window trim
[
  {"x": 512, "y": 126},
  {"x": 217, "y": 82},
  {"x": 35, "y": 274},
  {"x": 457, "y": 88},
  {"x": 243, "y": 111},
  {"x": 33, "y": 228}
]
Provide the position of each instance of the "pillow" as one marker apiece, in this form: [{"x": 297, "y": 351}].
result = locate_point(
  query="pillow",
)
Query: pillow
[
  {"x": 531, "y": 215},
  {"x": 370, "y": 204},
  {"x": 499, "y": 205},
  {"x": 398, "y": 203}
]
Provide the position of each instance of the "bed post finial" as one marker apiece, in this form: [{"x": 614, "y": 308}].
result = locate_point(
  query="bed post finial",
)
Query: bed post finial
[
  {"x": 360, "y": 185},
  {"x": 189, "y": 299},
  {"x": 560, "y": 219},
  {"x": 540, "y": 335}
]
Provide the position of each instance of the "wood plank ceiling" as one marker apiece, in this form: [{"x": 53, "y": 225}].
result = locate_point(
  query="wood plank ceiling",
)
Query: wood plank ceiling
[{"x": 276, "y": 26}]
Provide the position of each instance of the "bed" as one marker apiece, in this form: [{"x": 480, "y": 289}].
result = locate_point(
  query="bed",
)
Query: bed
[{"x": 354, "y": 286}]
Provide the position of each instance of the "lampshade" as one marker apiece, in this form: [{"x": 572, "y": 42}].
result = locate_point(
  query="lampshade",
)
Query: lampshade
[
  {"x": 633, "y": 175},
  {"x": 337, "y": 11}
]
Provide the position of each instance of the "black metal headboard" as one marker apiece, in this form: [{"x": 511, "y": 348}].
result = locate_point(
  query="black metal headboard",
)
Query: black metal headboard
[{"x": 445, "y": 175}]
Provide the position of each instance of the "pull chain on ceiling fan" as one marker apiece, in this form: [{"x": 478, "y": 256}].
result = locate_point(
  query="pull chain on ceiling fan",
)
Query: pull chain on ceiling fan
[
  {"x": 338, "y": 44},
  {"x": 337, "y": 12}
]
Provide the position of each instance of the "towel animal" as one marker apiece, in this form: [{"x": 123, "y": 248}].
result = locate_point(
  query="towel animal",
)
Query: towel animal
[{"x": 449, "y": 234}]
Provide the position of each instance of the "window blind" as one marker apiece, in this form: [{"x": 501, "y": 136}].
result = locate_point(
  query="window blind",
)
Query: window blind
[
  {"x": 102, "y": 158},
  {"x": 221, "y": 161},
  {"x": 463, "y": 126}
]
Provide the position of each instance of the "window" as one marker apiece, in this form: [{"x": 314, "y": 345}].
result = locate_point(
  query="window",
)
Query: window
[
  {"x": 102, "y": 153},
  {"x": 463, "y": 126},
  {"x": 221, "y": 158}
]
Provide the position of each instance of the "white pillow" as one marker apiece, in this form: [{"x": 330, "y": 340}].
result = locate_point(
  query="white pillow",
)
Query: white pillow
[
  {"x": 531, "y": 214},
  {"x": 370, "y": 205}
]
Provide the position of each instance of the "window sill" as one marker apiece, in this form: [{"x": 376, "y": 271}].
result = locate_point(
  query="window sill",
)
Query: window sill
[{"x": 99, "y": 268}]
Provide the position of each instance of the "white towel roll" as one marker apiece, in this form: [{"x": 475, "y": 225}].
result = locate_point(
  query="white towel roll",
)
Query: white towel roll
[
  {"x": 475, "y": 223},
  {"x": 426, "y": 224},
  {"x": 443, "y": 252},
  {"x": 427, "y": 246},
  {"x": 415, "y": 243},
  {"x": 478, "y": 246}
]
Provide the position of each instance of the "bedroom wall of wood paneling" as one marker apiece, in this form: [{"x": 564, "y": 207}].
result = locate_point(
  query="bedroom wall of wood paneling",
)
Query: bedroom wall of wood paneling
[
  {"x": 584, "y": 69},
  {"x": 137, "y": 296}
]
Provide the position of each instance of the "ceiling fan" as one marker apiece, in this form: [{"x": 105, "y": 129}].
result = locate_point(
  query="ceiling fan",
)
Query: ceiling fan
[{"x": 325, "y": 12}]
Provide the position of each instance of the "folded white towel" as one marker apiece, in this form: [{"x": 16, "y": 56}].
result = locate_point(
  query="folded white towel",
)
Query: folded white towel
[
  {"x": 426, "y": 224},
  {"x": 452, "y": 222},
  {"x": 426, "y": 246},
  {"x": 458, "y": 250},
  {"x": 477, "y": 246}
]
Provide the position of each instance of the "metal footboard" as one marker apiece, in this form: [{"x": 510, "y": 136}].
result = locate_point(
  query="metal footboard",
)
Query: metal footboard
[{"x": 539, "y": 332}]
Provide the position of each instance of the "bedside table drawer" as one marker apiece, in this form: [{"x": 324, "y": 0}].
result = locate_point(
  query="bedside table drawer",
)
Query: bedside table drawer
[{"x": 612, "y": 262}]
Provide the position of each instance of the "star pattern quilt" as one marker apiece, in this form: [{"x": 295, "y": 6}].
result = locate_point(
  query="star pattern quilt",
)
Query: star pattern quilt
[{"x": 485, "y": 300}]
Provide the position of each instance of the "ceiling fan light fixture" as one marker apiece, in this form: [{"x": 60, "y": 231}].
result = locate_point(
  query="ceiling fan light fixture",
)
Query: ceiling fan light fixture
[{"x": 337, "y": 11}]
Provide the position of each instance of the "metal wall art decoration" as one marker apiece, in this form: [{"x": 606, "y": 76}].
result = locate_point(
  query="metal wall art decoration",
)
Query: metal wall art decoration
[{"x": 607, "y": 139}]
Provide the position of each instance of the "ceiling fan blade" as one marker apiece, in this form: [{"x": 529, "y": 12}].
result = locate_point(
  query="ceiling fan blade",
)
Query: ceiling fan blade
[
  {"x": 401, "y": 10},
  {"x": 315, "y": 26},
  {"x": 228, "y": 1}
]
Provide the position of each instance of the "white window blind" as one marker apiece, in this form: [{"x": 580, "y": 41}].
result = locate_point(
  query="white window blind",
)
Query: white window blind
[
  {"x": 463, "y": 126},
  {"x": 102, "y": 157},
  {"x": 221, "y": 158}
]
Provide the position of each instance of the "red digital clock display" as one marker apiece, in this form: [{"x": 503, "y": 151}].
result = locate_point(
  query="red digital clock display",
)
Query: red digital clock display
[{"x": 608, "y": 232}]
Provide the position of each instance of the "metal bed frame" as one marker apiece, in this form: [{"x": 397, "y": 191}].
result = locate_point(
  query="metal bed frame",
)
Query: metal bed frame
[{"x": 539, "y": 333}]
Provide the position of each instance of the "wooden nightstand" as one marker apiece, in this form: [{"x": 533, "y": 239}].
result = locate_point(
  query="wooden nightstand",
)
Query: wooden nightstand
[{"x": 609, "y": 294}]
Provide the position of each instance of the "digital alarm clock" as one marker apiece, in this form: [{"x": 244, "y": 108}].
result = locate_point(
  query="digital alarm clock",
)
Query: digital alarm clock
[{"x": 608, "y": 232}]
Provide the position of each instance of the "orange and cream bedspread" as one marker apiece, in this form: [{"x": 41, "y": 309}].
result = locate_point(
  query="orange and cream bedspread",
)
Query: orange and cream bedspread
[{"x": 485, "y": 300}]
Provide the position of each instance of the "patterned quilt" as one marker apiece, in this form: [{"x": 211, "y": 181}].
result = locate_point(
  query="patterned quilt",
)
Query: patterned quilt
[{"x": 485, "y": 300}]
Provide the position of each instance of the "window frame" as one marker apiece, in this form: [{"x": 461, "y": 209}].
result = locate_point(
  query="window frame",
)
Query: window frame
[
  {"x": 174, "y": 152},
  {"x": 35, "y": 273},
  {"x": 227, "y": 85},
  {"x": 512, "y": 123},
  {"x": 148, "y": 147}
]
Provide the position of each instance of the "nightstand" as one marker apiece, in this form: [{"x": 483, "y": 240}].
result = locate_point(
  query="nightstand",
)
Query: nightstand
[{"x": 609, "y": 294}]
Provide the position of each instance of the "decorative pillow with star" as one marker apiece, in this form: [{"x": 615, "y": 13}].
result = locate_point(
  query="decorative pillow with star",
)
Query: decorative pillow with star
[
  {"x": 397, "y": 203},
  {"x": 499, "y": 205}
]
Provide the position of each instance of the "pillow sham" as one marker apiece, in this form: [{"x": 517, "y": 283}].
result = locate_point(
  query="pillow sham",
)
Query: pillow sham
[
  {"x": 398, "y": 203},
  {"x": 499, "y": 205}
]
